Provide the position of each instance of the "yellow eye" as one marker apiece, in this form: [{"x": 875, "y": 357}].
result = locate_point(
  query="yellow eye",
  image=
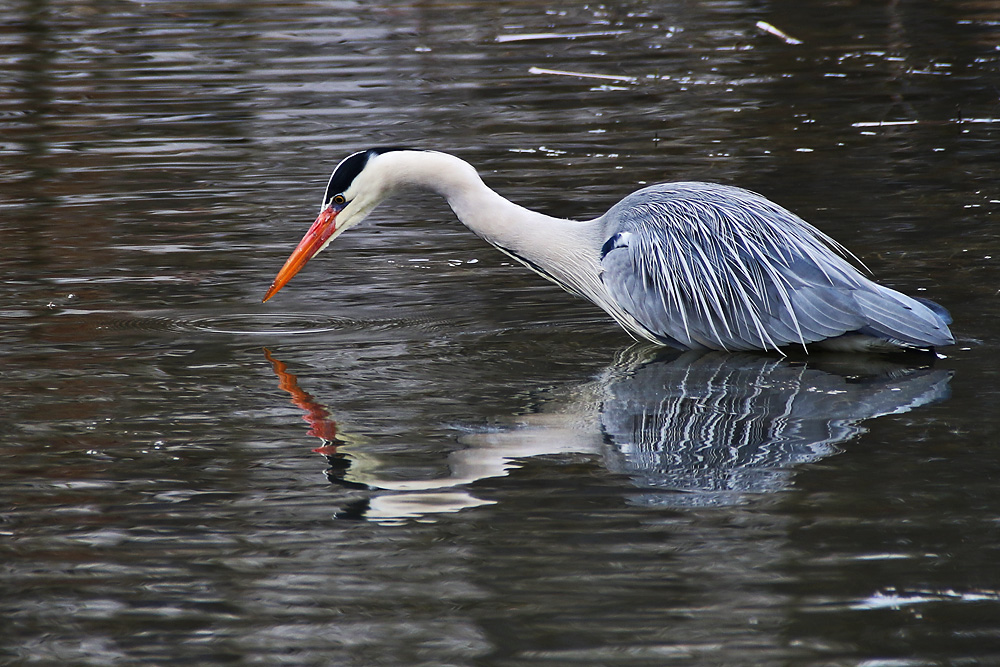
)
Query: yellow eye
[{"x": 339, "y": 199}]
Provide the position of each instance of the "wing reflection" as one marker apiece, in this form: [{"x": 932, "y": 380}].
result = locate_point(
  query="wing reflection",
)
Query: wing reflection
[
  {"x": 686, "y": 428},
  {"x": 720, "y": 425}
]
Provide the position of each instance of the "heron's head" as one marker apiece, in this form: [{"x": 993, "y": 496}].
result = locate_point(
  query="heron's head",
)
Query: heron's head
[{"x": 359, "y": 183}]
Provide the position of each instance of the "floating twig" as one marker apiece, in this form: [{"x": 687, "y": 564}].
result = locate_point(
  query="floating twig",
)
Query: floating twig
[
  {"x": 583, "y": 75},
  {"x": 536, "y": 36},
  {"x": 953, "y": 121},
  {"x": 771, "y": 30}
]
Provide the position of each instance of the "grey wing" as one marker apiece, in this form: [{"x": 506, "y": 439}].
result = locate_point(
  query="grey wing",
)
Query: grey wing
[{"x": 723, "y": 268}]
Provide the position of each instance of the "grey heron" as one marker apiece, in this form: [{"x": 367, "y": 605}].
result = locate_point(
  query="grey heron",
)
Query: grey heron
[{"x": 690, "y": 265}]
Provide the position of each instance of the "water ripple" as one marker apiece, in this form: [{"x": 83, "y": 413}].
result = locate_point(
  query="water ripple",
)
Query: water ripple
[{"x": 247, "y": 324}]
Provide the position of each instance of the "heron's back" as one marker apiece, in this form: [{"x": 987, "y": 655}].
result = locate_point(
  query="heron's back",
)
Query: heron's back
[{"x": 700, "y": 265}]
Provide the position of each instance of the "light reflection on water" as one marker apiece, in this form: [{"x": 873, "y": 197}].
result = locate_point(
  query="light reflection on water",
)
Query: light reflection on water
[
  {"x": 689, "y": 429},
  {"x": 160, "y": 499}
]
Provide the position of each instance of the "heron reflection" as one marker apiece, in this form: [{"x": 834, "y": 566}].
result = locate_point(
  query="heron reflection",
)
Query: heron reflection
[
  {"x": 713, "y": 427},
  {"x": 686, "y": 428}
]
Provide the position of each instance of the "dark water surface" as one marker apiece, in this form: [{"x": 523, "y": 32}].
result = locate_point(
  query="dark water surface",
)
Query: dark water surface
[{"x": 440, "y": 459}]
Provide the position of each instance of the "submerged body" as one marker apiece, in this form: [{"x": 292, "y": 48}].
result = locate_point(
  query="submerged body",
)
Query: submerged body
[{"x": 690, "y": 265}]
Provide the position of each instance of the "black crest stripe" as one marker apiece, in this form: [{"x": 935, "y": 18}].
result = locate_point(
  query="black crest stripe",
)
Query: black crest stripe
[{"x": 351, "y": 166}]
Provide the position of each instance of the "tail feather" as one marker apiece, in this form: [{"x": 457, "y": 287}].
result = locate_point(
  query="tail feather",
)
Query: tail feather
[
  {"x": 904, "y": 320},
  {"x": 935, "y": 308}
]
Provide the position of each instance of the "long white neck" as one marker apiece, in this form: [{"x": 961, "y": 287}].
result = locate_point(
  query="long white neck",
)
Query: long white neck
[{"x": 566, "y": 251}]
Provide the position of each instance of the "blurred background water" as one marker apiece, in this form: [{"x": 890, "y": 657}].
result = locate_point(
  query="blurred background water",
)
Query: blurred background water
[{"x": 418, "y": 454}]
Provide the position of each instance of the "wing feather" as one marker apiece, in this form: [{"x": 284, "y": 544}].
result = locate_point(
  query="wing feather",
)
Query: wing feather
[{"x": 707, "y": 266}]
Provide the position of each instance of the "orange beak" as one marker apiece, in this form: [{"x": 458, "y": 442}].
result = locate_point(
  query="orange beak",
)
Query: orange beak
[{"x": 311, "y": 243}]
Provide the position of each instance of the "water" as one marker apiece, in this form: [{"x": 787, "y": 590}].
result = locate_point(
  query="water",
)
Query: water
[{"x": 417, "y": 454}]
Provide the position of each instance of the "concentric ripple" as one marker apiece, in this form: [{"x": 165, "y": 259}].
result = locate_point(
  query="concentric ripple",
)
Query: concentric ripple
[{"x": 267, "y": 324}]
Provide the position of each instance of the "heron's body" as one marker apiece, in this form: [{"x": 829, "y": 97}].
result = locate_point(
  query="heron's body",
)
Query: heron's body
[{"x": 689, "y": 265}]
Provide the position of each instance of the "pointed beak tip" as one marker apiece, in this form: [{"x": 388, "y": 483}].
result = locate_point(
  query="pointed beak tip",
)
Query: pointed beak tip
[{"x": 311, "y": 243}]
